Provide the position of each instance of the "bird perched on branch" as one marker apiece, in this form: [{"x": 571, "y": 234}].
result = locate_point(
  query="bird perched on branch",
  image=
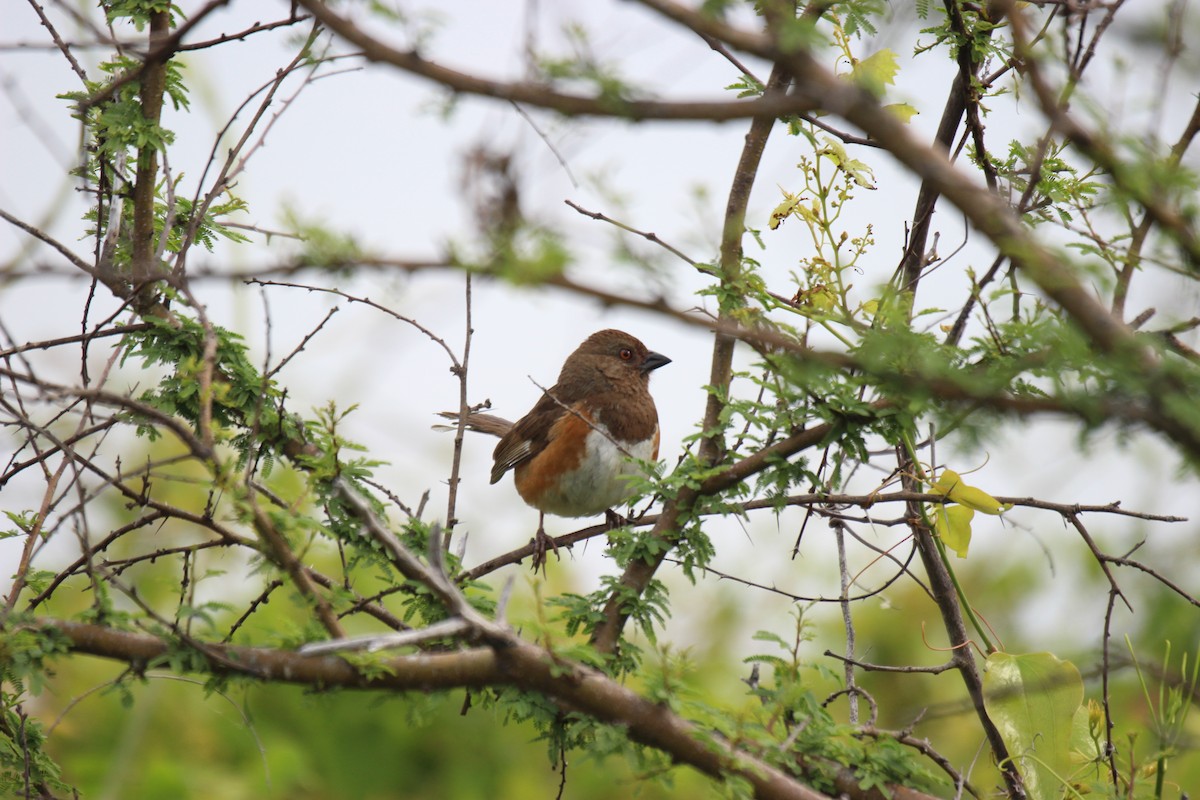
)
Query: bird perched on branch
[{"x": 574, "y": 453}]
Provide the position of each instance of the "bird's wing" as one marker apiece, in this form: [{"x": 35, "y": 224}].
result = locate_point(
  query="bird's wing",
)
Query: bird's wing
[
  {"x": 509, "y": 453},
  {"x": 530, "y": 434}
]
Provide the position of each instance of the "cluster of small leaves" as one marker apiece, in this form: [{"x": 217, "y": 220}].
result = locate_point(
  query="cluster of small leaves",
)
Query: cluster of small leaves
[
  {"x": 138, "y": 11},
  {"x": 830, "y": 396},
  {"x": 747, "y": 86},
  {"x": 646, "y": 610},
  {"x": 531, "y": 256},
  {"x": 517, "y": 705},
  {"x": 104, "y": 611},
  {"x": 1146, "y": 171},
  {"x": 180, "y": 658},
  {"x": 694, "y": 548},
  {"x": 905, "y": 361},
  {"x": 580, "y": 614},
  {"x": 322, "y": 246},
  {"x": 24, "y": 652},
  {"x": 118, "y": 125},
  {"x": 733, "y": 290},
  {"x": 362, "y": 553},
  {"x": 244, "y": 403},
  {"x": 1060, "y": 188},
  {"x": 1037, "y": 354},
  {"x": 568, "y": 734},
  {"x": 182, "y": 229},
  {"x": 857, "y": 19},
  {"x": 119, "y": 122},
  {"x": 24, "y": 764},
  {"x": 584, "y": 69},
  {"x": 327, "y": 459},
  {"x": 120, "y": 132},
  {"x": 179, "y": 229},
  {"x": 818, "y": 745},
  {"x": 626, "y": 545},
  {"x": 978, "y": 26},
  {"x": 328, "y": 464}
]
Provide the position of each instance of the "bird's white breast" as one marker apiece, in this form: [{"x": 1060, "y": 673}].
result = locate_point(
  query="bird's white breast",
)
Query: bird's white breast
[{"x": 602, "y": 479}]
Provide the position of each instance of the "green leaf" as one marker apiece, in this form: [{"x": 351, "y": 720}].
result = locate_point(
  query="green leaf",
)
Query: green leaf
[{"x": 1033, "y": 698}]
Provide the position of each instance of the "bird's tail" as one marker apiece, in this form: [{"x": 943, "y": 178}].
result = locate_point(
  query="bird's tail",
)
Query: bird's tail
[{"x": 484, "y": 423}]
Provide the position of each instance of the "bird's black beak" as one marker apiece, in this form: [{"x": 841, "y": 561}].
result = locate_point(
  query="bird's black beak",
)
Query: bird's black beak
[{"x": 653, "y": 361}]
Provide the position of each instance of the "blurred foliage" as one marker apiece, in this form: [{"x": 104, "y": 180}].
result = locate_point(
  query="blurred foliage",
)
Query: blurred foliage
[{"x": 172, "y": 739}]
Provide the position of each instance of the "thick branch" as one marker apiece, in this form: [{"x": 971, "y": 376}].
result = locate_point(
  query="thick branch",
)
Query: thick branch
[
  {"x": 153, "y": 87},
  {"x": 424, "y": 671},
  {"x": 542, "y": 96},
  {"x": 517, "y": 663},
  {"x": 961, "y": 93}
]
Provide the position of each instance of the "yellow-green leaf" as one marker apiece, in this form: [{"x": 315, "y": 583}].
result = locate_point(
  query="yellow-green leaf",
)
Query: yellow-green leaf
[
  {"x": 876, "y": 71},
  {"x": 821, "y": 299},
  {"x": 1033, "y": 699},
  {"x": 858, "y": 171},
  {"x": 946, "y": 480},
  {"x": 978, "y": 499},
  {"x": 1087, "y": 734},
  {"x": 953, "y": 525},
  {"x": 784, "y": 209},
  {"x": 903, "y": 111},
  {"x": 951, "y": 484}
]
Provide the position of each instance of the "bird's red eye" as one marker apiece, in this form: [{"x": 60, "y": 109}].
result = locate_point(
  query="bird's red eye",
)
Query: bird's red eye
[{"x": 626, "y": 354}]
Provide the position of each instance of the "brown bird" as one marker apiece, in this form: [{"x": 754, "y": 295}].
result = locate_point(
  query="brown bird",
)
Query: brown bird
[{"x": 574, "y": 453}]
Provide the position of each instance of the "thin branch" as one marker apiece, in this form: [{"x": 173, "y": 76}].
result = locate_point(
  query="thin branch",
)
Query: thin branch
[
  {"x": 936, "y": 669},
  {"x": 647, "y": 235},
  {"x": 242, "y": 35},
  {"x": 461, "y": 371},
  {"x": 62, "y": 46},
  {"x": 433, "y": 337},
  {"x": 75, "y": 260}
]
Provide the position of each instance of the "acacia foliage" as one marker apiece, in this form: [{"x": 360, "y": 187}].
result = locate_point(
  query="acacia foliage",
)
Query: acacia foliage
[{"x": 201, "y": 469}]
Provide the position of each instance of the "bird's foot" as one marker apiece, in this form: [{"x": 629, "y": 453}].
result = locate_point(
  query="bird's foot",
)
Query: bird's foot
[
  {"x": 542, "y": 545},
  {"x": 614, "y": 520}
]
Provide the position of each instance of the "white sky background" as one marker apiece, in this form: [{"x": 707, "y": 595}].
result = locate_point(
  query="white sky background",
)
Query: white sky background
[{"x": 366, "y": 152}]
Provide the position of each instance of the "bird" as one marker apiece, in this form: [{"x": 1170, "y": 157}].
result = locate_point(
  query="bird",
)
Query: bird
[{"x": 575, "y": 451}]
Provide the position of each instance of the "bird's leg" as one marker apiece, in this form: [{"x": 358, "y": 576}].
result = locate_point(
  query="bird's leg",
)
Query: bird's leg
[
  {"x": 542, "y": 543},
  {"x": 614, "y": 520}
]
